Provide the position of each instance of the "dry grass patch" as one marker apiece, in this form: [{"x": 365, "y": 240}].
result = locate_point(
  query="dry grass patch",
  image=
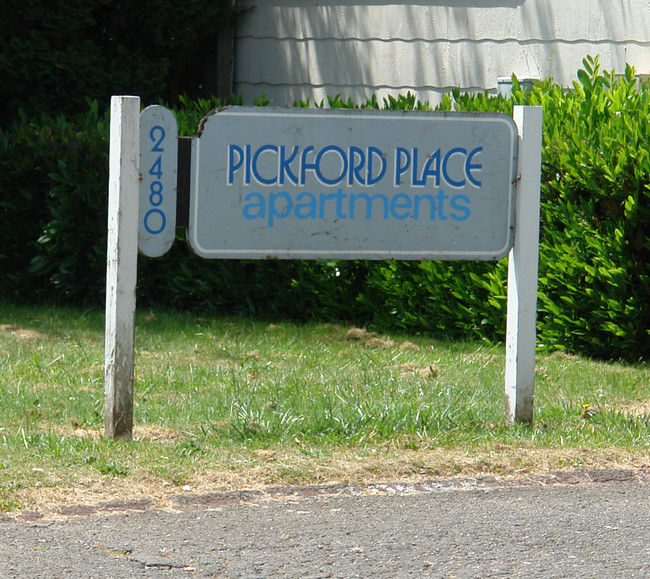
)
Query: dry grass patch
[
  {"x": 266, "y": 468},
  {"x": 157, "y": 433},
  {"x": 359, "y": 334},
  {"x": 9, "y": 328},
  {"x": 141, "y": 432},
  {"x": 479, "y": 358},
  {"x": 21, "y": 334},
  {"x": 379, "y": 343},
  {"x": 635, "y": 409},
  {"x": 91, "y": 492},
  {"x": 407, "y": 346},
  {"x": 372, "y": 340},
  {"x": 411, "y": 369}
]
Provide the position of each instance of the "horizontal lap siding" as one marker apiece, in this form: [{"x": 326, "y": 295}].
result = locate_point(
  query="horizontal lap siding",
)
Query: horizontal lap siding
[{"x": 299, "y": 50}]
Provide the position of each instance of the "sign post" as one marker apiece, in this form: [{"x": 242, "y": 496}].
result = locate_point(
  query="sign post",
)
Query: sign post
[
  {"x": 121, "y": 266},
  {"x": 522, "y": 271},
  {"x": 314, "y": 184}
]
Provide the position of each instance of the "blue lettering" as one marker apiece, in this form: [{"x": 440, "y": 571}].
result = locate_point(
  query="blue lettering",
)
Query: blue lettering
[
  {"x": 441, "y": 197},
  {"x": 339, "y": 204},
  {"x": 344, "y": 165},
  {"x": 374, "y": 152},
  {"x": 254, "y": 210},
  {"x": 153, "y": 229},
  {"x": 256, "y": 157},
  {"x": 369, "y": 201},
  {"x": 284, "y": 165},
  {"x": 445, "y": 161},
  {"x": 156, "y": 169},
  {"x": 432, "y": 169},
  {"x": 273, "y": 209},
  {"x": 332, "y": 166},
  {"x": 304, "y": 166},
  {"x": 469, "y": 167},
  {"x": 235, "y": 161},
  {"x": 247, "y": 180},
  {"x": 402, "y": 162},
  {"x": 307, "y": 205},
  {"x": 414, "y": 176},
  {"x": 152, "y": 135},
  {"x": 417, "y": 199},
  {"x": 400, "y": 206},
  {"x": 465, "y": 211},
  {"x": 323, "y": 198},
  {"x": 156, "y": 196},
  {"x": 306, "y": 209},
  {"x": 357, "y": 161}
]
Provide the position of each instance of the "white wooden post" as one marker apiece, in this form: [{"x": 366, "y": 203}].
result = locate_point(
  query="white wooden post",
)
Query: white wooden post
[
  {"x": 121, "y": 265},
  {"x": 522, "y": 270}
]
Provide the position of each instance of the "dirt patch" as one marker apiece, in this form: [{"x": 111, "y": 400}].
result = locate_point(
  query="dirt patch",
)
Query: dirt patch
[{"x": 156, "y": 433}]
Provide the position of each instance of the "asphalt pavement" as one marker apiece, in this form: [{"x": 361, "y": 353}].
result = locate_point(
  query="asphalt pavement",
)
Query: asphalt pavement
[{"x": 568, "y": 524}]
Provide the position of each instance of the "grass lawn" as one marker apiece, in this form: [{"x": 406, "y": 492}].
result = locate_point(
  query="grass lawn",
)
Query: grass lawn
[{"x": 234, "y": 403}]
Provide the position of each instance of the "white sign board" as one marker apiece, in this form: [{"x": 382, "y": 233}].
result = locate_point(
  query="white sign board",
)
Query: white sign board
[
  {"x": 159, "y": 168},
  {"x": 353, "y": 184}
]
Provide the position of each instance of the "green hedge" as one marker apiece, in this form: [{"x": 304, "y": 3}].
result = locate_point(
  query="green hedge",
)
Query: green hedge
[
  {"x": 55, "y": 53},
  {"x": 594, "y": 252},
  {"x": 594, "y": 234},
  {"x": 53, "y": 182}
]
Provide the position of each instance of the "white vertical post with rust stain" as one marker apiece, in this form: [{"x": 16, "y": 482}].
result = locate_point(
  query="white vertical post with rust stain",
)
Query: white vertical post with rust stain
[
  {"x": 523, "y": 270},
  {"x": 121, "y": 265}
]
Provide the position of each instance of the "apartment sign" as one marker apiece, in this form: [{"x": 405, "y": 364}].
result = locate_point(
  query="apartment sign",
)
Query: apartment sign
[
  {"x": 353, "y": 184},
  {"x": 334, "y": 184}
]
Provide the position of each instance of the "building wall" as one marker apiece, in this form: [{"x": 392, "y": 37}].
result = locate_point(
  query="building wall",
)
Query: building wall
[{"x": 292, "y": 49}]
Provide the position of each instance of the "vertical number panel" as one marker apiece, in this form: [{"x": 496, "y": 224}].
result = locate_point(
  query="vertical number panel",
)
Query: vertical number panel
[{"x": 158, "y": 175}]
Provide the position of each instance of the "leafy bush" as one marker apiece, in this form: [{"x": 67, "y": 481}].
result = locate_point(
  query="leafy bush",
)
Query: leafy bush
[
  {"x": 594, "y": 246},
  {"x": 55, "y": 54},
  {"x": 595, "y": 283},
  {"x": 53, "y": 179}
]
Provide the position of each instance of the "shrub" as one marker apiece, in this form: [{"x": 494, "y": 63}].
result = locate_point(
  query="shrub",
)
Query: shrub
[
  {"x": 594, "y": 244},
  {"x": 55, "y": 54},
  {"x": 54, "y": 182}
]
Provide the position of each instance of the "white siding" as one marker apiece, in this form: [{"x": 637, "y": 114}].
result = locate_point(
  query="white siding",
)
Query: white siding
[{"x": 291, "y": 49}]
